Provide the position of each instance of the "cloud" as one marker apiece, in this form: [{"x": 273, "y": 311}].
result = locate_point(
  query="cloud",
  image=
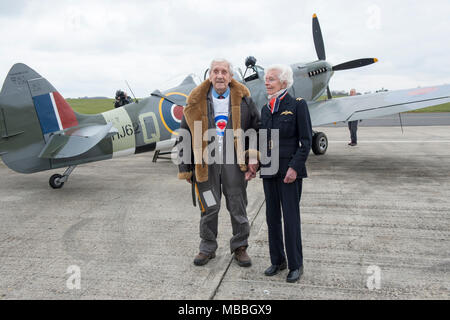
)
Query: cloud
[{"x": 90, "y": 48}]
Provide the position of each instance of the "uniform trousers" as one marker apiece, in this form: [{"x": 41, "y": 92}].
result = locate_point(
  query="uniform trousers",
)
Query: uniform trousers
[
  {"x": 230, "y": 180},
  {"x": 284, "y": 199},
  {"x": 353, "y": 127}
]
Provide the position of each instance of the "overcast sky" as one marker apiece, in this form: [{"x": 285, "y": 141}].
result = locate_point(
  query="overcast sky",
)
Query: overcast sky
[{"x": 88, "y": 48}]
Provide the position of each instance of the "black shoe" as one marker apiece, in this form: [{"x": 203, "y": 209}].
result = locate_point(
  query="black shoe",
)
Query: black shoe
[
  {"x": 294, "y": 275},
  {"x": 202, "y": 259},
  {"x": 274, "y": 269}
]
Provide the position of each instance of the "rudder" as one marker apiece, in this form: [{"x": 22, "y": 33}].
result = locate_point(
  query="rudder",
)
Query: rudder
[
  {"x": 30, "y": 111},
  {"x": 52, "y": 110}
]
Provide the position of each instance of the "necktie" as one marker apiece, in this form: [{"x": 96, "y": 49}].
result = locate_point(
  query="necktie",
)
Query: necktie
[{"x": 221, "y": 97}]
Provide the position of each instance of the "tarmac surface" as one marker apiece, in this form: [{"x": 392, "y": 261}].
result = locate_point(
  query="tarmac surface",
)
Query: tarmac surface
[{"x": 375, "y": 225}]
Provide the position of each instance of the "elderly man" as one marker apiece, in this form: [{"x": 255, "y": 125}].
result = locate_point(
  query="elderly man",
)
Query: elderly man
[{"x": 220, "y": 103}]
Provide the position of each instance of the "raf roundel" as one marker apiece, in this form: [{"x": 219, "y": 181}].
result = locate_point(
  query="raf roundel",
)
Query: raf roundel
[
  {"x": 421, "y": 91},
  {"x": 177, "y": 112},
  {"x": 221, "y": 124},
  {"x": 171, "y": 114}
]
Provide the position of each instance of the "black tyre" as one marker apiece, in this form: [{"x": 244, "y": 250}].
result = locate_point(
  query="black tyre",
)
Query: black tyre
[
  {"x": 55, "y": 181},
  {"x": 319, "y": 143}
]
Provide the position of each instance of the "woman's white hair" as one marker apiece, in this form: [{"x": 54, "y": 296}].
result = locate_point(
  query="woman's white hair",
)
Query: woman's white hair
[
  {"x": 219, "y": 60},
  {"x": 285, "y": 73}
]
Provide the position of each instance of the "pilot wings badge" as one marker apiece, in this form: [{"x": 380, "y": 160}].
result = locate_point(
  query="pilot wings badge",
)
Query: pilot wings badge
[{"x": 286, "y": 113}]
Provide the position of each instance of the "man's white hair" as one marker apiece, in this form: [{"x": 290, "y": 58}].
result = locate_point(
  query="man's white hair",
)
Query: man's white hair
[
  {"x": 285, "y": 73},
  {"x": 221, "y": 60}
]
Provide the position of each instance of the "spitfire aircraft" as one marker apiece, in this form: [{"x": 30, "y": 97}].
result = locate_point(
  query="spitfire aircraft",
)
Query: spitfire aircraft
[{"x": 40, "y": 131}]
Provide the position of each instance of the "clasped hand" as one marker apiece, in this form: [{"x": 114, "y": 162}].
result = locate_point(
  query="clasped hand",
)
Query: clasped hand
[{"x": 251, "y": 172}]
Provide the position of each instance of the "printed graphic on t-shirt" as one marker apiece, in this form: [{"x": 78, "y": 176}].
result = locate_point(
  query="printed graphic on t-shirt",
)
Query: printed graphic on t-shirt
[{"x": 221, "y": 123}]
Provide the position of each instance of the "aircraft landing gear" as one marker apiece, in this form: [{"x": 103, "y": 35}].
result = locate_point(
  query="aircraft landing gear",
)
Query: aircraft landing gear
[
  {"x": 159, "y": 155},
  {"x": 319, "y": 143},
  {"x": 57, "y": 181}
]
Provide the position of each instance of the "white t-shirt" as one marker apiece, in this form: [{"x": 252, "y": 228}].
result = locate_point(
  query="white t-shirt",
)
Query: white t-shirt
[{"x": 221, "y": 117}]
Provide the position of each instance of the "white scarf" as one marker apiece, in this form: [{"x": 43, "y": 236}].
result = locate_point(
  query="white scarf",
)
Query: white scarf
[{"x": 276, "y": 94}]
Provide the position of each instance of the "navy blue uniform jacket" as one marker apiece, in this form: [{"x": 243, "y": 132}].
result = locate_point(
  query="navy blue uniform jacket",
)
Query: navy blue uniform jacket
[{"x": 295, "y": 135}]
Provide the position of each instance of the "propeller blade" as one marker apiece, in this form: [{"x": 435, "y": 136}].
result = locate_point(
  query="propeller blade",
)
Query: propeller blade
[
  {"x": 354, "y": 64},
  {"x": 329, "y": 93},
  {"x": 318, "y": 40}
]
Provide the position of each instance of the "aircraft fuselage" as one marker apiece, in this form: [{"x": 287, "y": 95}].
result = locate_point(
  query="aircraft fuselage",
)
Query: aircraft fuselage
[{"x": 140, "y": 127}]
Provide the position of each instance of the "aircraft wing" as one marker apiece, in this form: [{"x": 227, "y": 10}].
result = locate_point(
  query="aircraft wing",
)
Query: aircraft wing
[
  {"x": 175, "y": 99},
  {"x": 75, "y": 141},
  {"x": 376, "y": 104}
]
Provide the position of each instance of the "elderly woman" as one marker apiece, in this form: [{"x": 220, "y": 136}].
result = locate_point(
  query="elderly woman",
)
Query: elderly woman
[{"x": 283, "y": 189}]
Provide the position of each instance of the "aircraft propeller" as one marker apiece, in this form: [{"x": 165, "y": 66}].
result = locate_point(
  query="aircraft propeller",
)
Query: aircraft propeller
[
  {"x": 318, "y": 39},
  {"x": 354, "y": 64},
  {"x": 320, "y": 50}
]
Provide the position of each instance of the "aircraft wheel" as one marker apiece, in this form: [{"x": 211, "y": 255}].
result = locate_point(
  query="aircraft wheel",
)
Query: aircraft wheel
[
  {"x": 319, "y": 143},
  {"x": 55, "y": 181}
]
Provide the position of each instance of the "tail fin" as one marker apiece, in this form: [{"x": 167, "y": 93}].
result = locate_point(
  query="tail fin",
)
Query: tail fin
[
  {"x": 30, "y": 110},
  {"x": 53, "y": 112},
  {"x": 17, "y": 79}
]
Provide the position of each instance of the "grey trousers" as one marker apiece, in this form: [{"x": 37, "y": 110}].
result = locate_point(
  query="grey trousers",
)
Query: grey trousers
[{"x": 230, "y": 180}]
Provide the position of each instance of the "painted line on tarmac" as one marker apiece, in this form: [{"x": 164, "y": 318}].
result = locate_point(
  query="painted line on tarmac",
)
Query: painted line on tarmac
[{"x": 214, "y": 293}]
